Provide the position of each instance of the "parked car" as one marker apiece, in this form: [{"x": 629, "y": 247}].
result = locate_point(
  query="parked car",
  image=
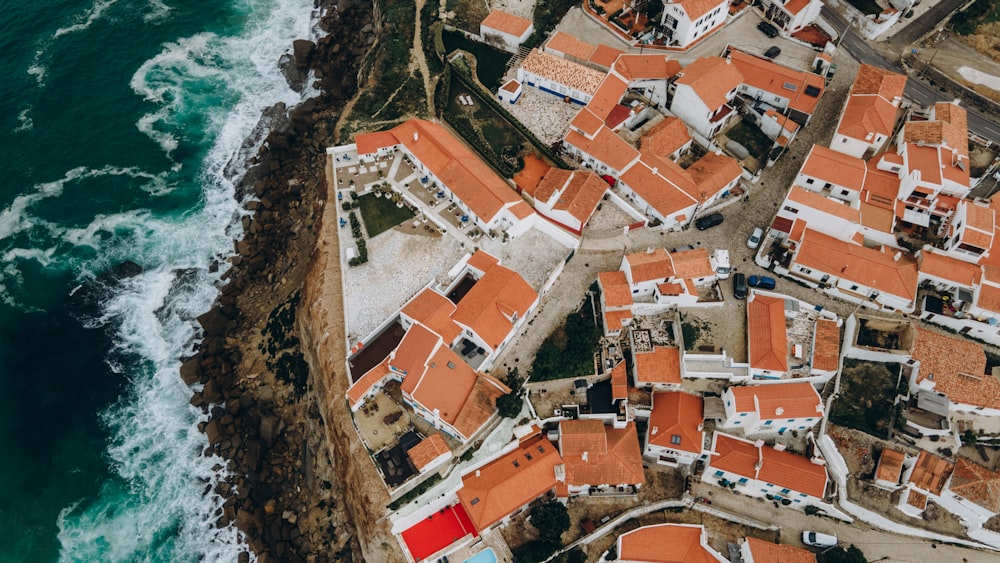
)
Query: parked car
[
  {"x": 739, "y": 285},
  {"x": 772, "y": 52},
  {"x": 768, "y": 29},
  {"x": 709, "y": 221},
  {"x": 684, "y": 248},
  {"x": 755, "y": 237},
  {"x": 817, "y": 539},
  {"x": 763, "y": 282}
]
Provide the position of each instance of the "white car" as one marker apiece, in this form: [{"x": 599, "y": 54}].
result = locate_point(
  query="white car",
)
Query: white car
[
  {"x": 817, "y": 539},
  {"x": 755, "y": 237}
]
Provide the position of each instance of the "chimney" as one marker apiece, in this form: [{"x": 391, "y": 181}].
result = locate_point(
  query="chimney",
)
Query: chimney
[
  {"x": 655, "y": 170},
  {"x": 416, "y": 136},
  {"x": 897, "y": 256},
  {"x": 584, "y": 456},
  {"x": 779, "y": 411},
  {"x": 477, "y": 473}
]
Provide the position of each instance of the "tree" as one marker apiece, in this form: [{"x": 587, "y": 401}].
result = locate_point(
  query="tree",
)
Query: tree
[
  {"x": 509, "y": 405},
  {"x": 551, "y": 519},
  {"x": 653, "y": 10},
  {"x": 841, "y": 555}
]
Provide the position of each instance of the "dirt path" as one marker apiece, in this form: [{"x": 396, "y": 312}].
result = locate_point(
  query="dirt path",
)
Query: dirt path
[{"x": 417, "y": 57}]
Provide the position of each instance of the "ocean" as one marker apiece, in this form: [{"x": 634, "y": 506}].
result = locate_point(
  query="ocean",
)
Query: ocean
[{"x": 121, "y": 126}]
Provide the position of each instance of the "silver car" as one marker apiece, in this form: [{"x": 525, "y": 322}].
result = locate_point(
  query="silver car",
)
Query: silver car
[{"x": 755, "y": 237}]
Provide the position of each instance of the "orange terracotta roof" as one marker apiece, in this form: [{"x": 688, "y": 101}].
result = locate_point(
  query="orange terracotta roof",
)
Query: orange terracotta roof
[
  {"x": 820, "y": 202},
  {"x": 958, "y": 367},
  {"x": 563, "y": 71},
  {"x": 866, "y": 266},
  {"x": 505, "y": 484},
  {"x": 507, "y": 23},
  {"x": 882, "y": 186},
  {"x": 587, "y": 122},
  {"x": 605, "y": 146},
  {"x": 639, "y": 67},
  {"x": 877, "y": 217},
  {"x": 649, "y": 266},
  {"x": 879, "y": 82},
  {"x": 981, "y": 217},
  {"x": 479, "y": 405},
  {"x": 615, "y": 290},
  {"x": 834, "y": 167},
  {"x": 607, "y": 97},
  {"x": 890, "y": 466},
  {"x": 662, "y": 365},
  {"x": 676, "y": 422},
  {"x": 767, "y": 552},
  {"x": 784, "y": 121},
  {"x": 666, "y": 137},
  {"x": 605, "y": 56},
  {"x": 989, "y": 298},
  {"x": 947, "y": 268},
  {"x": 711, "y": 78},
  {"x": 368, "y": 143},
  {"x": 697, "y": 8},
  {"x": 926, "y": 159},
  {"x": 692, "y": 264},
  {"x": 670, "y": 288},
  {"x": 772, "y": 77},
  {"x": 444, "y": 385},
  {"x": 434, "y": 311},
  {"x": 373, "y": 377},
  {"x": 511, "y": 86},
  {"x": 666, "y": 543},
  {"x": 578, "y": 192},
  {"x": 465, "y": 174},
  {"x": 767, "y": 332},
  {"x": 413, "y": 352},
  {"x": 521, "y": 210},
  {"x": 793, "y": 400},
  {"x": 482, "y": 261},
  {"x": 615, "y": 319},
  {"x": 734, "y": 455},
  {"x": 570, "y": 46},
  {"x": 794, "y": 6},
  {"x": 428, "y": 450},
  {"x": 531, "y": 175},
  {"x": 792, "y": 471},
  {"x": 869, "y": 108},
  {"x": 619, "y": 382},
  {"x": 916, "y": 499},
  {"x": 930, "y": 472},
  {"x": 977, "y": 484},
  {"x": 597, "y": 454},
  {"x": 654, "y": 187},
  {"x": 710, "y": 174},
  {"x": 826, "y": 345},
  {"x": 490, "y": 306}
]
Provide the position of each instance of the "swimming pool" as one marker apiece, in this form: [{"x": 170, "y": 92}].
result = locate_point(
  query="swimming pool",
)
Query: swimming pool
[{"x": 485, "y": 556}]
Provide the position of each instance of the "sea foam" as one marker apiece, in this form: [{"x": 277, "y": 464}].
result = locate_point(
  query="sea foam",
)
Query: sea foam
[{"x": 161, "y": 506}]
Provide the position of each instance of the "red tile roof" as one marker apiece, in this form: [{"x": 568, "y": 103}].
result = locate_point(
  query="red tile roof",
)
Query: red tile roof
[
  {"x": 615, "y": 289},
  {"x": 505, "y": 484},
  {"x": 650, "y": 183},
  {"x": 767, "y": 332},
  {"x": 563, "y": 71},
  {"x": 619, "y": 382},
  {"x": 779, "y": 400},
  {"x": 930, "y": 472},
  {"x": 666, "y": 543},
  {"x": 578, "y": 192},
  {"x": 780, "y": 80},
  {"x": 869, "y": 108},
  {"x": 490, "y": 306},
  {"x": 697, "y": 8},
  {"x": 890, "y": 466},
  {"x": 711, "y": 78},
  {"x": 792, "y": 471},
  {"x": 597, "y": 454},
  {"x": 692, "y": 264},
  {"x": 977, "y": 484},
  {"x": 675, "y": 422},
  {"x": 767, "y": 552},
  {"x": 666, "y": 137},
  {"x": 826, "y": 345},
  {"x": 569, "y": 45},
  {"x": 434, "y": 311},
  {"x": 828, "y": 205},
  {"x": 952, "y": 269},
  {"x": 615, "y": 319},
  {"x": 662, "y": 365},
  {"x": 465, "y": 174},
  {"x": 866, "y": 266},
  {"x": 638, "y": 67},
  {"x": 605, "y": 146},
  {"x": 507, "y": 23},
  {"x": 428, "y": 450},
  {"x": 371, "y": 378},
  {"x": 734, "y": 455},
  {"x": 834, "y": 167},
  {"x": 649, "y": 266},
  {"x": 958, "y": 367}
]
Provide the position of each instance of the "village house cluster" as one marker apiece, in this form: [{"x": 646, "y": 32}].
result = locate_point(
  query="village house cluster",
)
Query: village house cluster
[{"x": 881, "y": 218}]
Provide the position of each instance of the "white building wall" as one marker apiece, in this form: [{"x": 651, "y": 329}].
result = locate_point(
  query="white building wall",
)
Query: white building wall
[
  {"x": 849, "y": 145},
  {"x": 688, "y": 106},
  {"x": 552, "y": 86}
]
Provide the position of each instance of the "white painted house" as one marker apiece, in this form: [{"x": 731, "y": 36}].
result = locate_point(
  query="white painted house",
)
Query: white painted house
[{"x": 505, "y": 31}]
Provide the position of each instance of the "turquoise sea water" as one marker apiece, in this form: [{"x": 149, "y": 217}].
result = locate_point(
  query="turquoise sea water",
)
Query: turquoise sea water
[{"x": 119, "y": 125}]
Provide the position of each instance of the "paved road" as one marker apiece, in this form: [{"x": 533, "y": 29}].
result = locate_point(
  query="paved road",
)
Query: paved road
[
  {"x": 926, "y": 22},
  {"x": 916, "y": 90}
]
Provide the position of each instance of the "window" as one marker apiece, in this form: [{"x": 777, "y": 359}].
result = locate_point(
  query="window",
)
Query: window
[
  {"x": 742, "y": 480},
  {"x": 805, "y": 270},
  {"x": 474, "y": 501},
  {"x": 854, "y": 288},
  {"x": 810, "y": 181},
  {"x": 785, "y": 491},
  {"x": 541, "y": 449},
  {"x": 718, "y": 473},
  {"x": 675, "y": 439},
  {"x": 827, "y": 186},
  {"x": 767, "y": 423},
  {"x": 843, "y": 139},
  {"x": 803, "y": 495},
  {"x": 791, "y": 209},
  {"x": 844, "y": 192},
  {"x": 527, "y": 456},
  {"x": 743, "y": 414}
]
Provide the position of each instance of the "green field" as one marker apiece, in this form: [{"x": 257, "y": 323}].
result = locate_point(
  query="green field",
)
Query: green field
[{"x": 381, "y": 214}]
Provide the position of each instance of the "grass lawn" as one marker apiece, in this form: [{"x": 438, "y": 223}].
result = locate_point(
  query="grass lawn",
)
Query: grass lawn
[
  {"x": 491, "y": 64},
  {"x": 751, "y": 137},
  {"x": 867, "y": 390},
  {"x": 489, "y": 127},
  {"x": 381, "y": 214},
  {"x": 866, "y": 6}
]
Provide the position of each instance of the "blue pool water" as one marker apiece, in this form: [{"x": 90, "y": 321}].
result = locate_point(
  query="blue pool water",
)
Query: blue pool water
[{"x": 486, "y": 556}]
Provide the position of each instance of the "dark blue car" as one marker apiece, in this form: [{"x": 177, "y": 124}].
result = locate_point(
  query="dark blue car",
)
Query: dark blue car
[{"x": 762, "y": 282}]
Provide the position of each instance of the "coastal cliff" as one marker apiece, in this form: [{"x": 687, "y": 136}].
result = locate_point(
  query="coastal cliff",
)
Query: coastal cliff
[{"x": 301, "y": 487}]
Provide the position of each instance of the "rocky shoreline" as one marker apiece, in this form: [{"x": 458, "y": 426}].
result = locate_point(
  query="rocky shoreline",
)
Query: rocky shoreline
[{"x": 290, "y": 489}]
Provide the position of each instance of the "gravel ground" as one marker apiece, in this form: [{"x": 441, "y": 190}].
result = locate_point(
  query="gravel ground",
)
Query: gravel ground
[
  {"x": 543, "y": 114},
  {"x": 608, "y": 217},
  {"x": 399, "y": 265},
  {"x": 534, "y": 255},
  {"x": 523, "y": 8}
]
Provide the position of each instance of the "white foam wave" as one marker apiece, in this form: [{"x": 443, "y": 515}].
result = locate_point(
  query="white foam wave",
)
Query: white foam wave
[
  {"x": 24, "y": 121},
  {"x": 86, "y": 19},
  {"x": 38, "y": 68},
  {"x": 158, "y": 11},
  {"x": 163, "y": 511}
]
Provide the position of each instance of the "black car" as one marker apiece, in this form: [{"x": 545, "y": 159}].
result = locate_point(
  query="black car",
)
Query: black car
[
  {"x": 768, "y": 29},
  {"x": 774, "y": 51},
  {"x": 709, "y": 221},
  {"x": 684, "y": 248},
  {"x": 739, "y": 285},
  {"x": 763, "y": 282}
]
